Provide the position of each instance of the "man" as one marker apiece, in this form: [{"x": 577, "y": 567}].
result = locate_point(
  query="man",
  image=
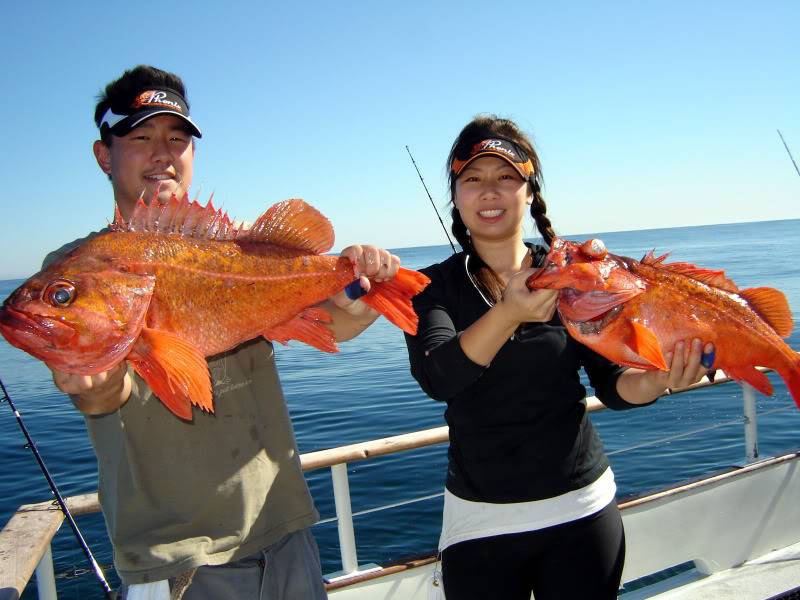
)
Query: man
[{"x": 217, "y": 507}]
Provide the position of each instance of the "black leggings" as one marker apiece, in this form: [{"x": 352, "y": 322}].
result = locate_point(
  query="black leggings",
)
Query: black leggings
[{"x": 582, "y": 559}]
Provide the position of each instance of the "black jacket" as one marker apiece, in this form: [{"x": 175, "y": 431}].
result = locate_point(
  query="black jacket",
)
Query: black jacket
[{"x": 518, "y": 428}]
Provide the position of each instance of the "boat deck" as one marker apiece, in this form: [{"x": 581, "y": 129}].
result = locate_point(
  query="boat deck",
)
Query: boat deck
[
  {"x": 771, "y": 576},
  {"x": 730, "y": 535}
]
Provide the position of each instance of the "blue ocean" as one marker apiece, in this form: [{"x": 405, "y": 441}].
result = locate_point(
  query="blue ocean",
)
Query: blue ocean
[{"x": 366, "y": 392}]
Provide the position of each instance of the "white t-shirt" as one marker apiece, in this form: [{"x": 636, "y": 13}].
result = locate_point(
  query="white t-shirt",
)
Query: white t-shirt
[{"x": 464, "y": 520}]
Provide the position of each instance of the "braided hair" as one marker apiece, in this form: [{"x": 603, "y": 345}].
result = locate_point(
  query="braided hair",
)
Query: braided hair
[{"x": 480, "y": 128}]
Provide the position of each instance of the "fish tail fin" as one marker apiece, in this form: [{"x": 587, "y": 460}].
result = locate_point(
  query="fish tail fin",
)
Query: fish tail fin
[
  {"x": 792, "y": 378},
  {"x": 393, "y": 298}
]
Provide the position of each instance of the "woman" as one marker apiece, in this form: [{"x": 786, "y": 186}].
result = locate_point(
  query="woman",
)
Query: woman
[{"x": 529, "y": 499}]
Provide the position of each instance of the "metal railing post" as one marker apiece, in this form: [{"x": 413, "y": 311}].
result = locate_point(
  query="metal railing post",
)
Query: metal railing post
[
  {"x": 344, "y": 516},
  {"x": 750, "y": 422},
  {"x": 45, "y": 576}
]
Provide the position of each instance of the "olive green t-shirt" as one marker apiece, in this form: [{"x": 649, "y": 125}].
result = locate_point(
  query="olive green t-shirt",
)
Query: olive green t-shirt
[{"x": 176, "y": 495}]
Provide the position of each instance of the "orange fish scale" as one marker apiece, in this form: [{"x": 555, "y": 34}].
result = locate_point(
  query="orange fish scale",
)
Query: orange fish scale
[
  {"x": 197, "y": 278},
  {"x": 177, "y": 283},
  {"x": 678, "y": 308}
]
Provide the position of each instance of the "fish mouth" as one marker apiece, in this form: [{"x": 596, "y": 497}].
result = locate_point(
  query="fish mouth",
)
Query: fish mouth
[
  {"x": 579, "y": 277},
  {"x": 588, "y": 311},
  {"x": 596, "y": 325},
  {"x": 14, "y": 321},
  {"x": 32, "y": 333}
]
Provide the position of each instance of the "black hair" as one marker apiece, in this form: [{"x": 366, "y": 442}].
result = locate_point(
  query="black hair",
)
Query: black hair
[
  {"x": 119, "y": 93},
  {"x": 480, "y": 128}
]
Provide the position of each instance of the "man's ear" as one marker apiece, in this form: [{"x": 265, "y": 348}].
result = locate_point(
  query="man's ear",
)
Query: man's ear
[{"x": 102, "y": 153}]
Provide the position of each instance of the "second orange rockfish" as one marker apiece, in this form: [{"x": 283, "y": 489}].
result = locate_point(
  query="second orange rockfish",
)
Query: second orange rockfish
[
  {"x": 632, "y": 312},
  {"x": 180, "y": 282}
]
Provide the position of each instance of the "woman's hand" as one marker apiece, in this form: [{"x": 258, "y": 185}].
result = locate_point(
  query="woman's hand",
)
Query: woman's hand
[
  {"x": 522, "y": 305},
  {"x": 685, "y": 368},
  {"x": 685, "y": 365},
  {"x": 98, "y": 394},
  {"x": 482, "y": 340}
]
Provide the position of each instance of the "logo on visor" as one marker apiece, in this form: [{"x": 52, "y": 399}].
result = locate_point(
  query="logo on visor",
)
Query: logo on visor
[
  {"x": 155, "y": 98},
  {"x": 494, "y": 146}
]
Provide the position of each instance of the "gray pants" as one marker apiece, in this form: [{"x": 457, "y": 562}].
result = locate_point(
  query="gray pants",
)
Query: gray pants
[{"x": 287, "y": 570}]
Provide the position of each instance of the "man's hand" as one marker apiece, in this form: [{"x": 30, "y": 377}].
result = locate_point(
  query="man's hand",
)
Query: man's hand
[
  {"x": 98, "y": 394},
  {"x": 370, "y": 263}
]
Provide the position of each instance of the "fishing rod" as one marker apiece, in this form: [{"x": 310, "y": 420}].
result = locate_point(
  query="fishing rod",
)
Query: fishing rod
[
  {"x": 788, "y": 151},
  {"x": 107, "y": 591},
  {"x": 431, "y": 199}
]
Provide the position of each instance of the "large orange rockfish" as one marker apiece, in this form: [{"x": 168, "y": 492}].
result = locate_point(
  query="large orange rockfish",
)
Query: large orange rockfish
[
  {"x": 180, "y": 282},
  {"x": 633, "y": 312}
]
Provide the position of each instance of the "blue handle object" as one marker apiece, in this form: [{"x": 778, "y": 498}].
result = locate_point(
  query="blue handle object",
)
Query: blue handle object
[
  {"x": 354, "y": 290},
  {"x": 707, "y": 360}
]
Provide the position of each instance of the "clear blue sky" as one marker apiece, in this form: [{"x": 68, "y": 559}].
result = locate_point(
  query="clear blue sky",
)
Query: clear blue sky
[{"x": 645, "y": 114}]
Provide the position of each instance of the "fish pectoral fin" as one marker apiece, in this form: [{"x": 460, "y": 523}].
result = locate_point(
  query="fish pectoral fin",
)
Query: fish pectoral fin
[
  {"x": 307, "y": 327},
  {"x": 175, "y": 370},
  {"x": 292, "y": 224},
  {"x": 645, "y": 343},
  {"x": 751, "y": 375},
  {"x": 771, "y": 305}
]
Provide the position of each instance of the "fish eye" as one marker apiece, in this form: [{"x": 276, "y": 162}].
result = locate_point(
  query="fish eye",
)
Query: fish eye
[
  {"x": 60, "y": 294},
  {"x": 594, "y": 248}
]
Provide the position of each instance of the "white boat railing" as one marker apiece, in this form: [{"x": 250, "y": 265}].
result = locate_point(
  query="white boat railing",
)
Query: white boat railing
[
  {"x": 25, "y": 540},
  {"x": 750, "y": 422}
]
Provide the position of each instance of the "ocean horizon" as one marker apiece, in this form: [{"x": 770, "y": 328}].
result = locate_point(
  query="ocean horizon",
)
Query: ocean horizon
[
  {"x": 615, "y": 232},
  {"x": 22, "y": 277},
  {"x": 366, "y": 392}
]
